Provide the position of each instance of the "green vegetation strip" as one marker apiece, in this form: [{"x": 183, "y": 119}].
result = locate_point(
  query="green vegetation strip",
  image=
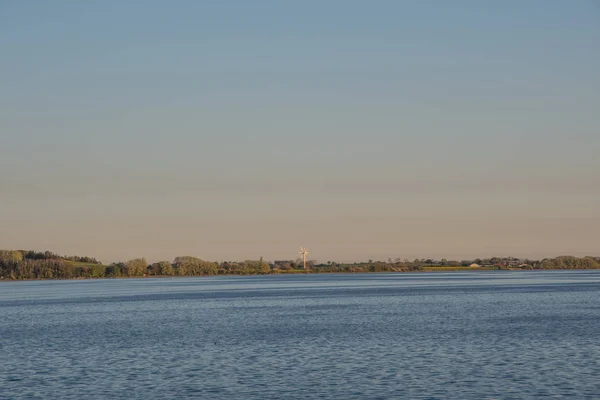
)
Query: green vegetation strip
[{"x": 29, "y": 264}]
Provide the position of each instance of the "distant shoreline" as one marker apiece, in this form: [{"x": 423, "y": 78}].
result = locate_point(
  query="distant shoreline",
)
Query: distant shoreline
[{"x": 33, "y": 265}]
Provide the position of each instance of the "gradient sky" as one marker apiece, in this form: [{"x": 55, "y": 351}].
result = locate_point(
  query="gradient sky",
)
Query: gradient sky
[{"x": 360, "y": 129}]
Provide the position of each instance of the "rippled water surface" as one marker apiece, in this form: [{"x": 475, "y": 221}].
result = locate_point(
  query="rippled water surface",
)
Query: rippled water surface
[{"x": 480, "y": 335}]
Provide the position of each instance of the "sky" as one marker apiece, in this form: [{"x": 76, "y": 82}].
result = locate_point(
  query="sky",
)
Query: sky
[{"x": 230, "y": 130}]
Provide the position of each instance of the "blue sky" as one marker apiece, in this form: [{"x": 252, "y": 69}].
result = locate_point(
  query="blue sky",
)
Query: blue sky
[{"x": 235, "y": 129}]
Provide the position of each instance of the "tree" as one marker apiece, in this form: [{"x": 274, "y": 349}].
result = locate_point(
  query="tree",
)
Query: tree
[
  {"x": 98, "y": 271},
  {"x": 165, "y": 268},
  {"x": 136, "y": 267},
  {"x": 10, "y": 257},
  {"x": 186, "y": 265},
  {"x": 264, "y": 267},
  {"x": 115, "y": 269},
  {"x": 194, "y": 266}
]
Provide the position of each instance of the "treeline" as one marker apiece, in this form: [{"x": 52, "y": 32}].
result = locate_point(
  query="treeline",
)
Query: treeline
[
  {"x": 21, "y": 264},
  {"x": 568, "y": 262},
  {"x": 15, "y": 264}
]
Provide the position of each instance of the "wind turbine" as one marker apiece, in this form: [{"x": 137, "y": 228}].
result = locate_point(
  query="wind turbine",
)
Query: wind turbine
[{"x": 303, "y": 253}]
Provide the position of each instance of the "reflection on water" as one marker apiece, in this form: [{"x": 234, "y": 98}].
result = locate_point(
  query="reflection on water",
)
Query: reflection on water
[{"x": 529, "y": 334}]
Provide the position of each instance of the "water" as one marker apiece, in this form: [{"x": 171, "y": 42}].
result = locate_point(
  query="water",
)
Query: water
[{"x": 480, "y": 335}]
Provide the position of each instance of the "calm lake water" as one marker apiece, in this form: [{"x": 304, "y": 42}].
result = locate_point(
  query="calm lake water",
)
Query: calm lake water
[{"x": 480, "y": 335}]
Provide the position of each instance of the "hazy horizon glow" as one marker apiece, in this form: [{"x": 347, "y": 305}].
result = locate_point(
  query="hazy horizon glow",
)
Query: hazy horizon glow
[{"x": 361, "y": 130}]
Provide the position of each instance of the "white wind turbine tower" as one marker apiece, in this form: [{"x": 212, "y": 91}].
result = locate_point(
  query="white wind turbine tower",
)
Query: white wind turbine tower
[{"x": 303, "y": 253}]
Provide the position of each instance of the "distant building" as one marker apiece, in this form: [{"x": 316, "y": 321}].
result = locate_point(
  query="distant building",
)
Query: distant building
[{"x": 474, "y": 265}]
